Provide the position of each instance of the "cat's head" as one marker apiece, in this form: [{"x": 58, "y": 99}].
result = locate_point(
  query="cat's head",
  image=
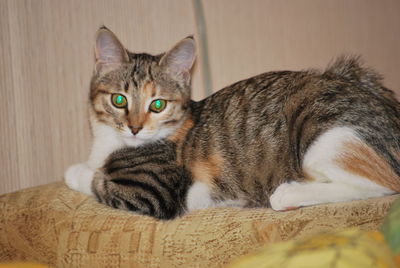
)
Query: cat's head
[{"x": 141, "y": 97}]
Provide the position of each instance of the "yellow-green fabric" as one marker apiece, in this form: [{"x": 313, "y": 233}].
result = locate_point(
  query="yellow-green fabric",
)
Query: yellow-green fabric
[
  {"x": 391, "y": 229},
  {"x": 346, "y": 249},
  {"x": 54, "y": 225}
]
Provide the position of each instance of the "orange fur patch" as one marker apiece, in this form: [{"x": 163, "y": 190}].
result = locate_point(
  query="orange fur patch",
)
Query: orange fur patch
[
  {"x": 140, "y": 118},
  {"x": 149, "y": 89},
  {"x": 361, "y": 160},
  {"x": 206, "y": 170},
  {"x": 180, "y": 133},
  {"x": 307, "y": 177}
]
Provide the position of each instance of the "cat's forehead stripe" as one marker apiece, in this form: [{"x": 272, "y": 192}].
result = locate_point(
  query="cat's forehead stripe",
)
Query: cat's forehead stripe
[
  {"x": 126, "y": 86},
  {"x": 133, "y": 74},
  {"x": 141, "y": 69},
  {"x": 149, "y": 72}
]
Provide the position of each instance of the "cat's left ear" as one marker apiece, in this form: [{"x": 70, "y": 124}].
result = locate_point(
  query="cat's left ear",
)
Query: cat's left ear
[
  {"x": 110, "y": 54},
  {"x": 179, "y": 60}
]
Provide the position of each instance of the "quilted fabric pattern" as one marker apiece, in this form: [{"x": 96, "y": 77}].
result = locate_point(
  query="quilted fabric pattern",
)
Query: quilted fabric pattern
[{"x": 54, "y": 225}]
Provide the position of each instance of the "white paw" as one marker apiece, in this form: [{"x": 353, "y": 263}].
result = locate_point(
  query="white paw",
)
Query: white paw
[
  {"x": 286, "y": 196},
  {"x": 79, "y": 177},
  {"x": 199, "y": 197}
]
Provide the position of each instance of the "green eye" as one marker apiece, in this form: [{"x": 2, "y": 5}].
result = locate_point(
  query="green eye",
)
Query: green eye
[
  {"x": 118, "y": 100},
  {"x": 158, "y": 106}
]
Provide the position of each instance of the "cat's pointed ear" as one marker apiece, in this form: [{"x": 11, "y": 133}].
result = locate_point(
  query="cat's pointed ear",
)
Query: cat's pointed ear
[
  {"x": 109, "y": 52},
  {"x": 178, "y": 61}
]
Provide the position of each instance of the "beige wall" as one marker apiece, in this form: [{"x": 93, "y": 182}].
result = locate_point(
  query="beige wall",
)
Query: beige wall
[{"x": 46, "y": 59}]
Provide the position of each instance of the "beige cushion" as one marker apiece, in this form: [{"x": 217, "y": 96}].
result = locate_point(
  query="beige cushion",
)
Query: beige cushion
[{"x": 54, "y": 225}]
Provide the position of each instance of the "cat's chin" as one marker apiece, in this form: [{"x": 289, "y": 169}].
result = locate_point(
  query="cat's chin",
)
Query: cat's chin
[{"x": 134, "y": 141}]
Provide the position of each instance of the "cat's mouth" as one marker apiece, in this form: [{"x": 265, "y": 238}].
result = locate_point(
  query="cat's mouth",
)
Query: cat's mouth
[
  {"x": 131, "y": 139},
  {"x": 127, "y": 134},
  {"x": 134, "y": 141}
]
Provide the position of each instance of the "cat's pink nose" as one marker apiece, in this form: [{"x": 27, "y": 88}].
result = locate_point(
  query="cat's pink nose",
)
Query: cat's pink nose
[{"x": 135, "y": 130}]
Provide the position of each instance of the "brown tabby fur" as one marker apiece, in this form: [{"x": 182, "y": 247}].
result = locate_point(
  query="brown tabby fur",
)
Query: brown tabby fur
[{"x": 248, "y": 138}]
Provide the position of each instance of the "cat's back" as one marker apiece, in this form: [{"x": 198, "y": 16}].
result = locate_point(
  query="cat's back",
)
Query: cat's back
[
  {"x": 344, "y": 85},
  {"x": 259, "y": 129}
]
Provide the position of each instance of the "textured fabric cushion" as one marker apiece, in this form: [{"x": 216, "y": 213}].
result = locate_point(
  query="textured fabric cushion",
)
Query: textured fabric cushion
[
  {"x": 21, "y": 265},
  {"x": 54, "y": 225}
]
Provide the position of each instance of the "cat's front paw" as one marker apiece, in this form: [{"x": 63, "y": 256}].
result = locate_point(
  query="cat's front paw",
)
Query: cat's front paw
[
  {"x": 284, "y": 197},
  {"x": 79, "y": 177}
]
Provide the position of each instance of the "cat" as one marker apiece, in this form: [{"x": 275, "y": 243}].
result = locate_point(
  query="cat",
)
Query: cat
[{"x": 284, "y": 139}]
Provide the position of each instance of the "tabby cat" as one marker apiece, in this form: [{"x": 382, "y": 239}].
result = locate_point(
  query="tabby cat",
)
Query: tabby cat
[{"x": 280, "y": 139}]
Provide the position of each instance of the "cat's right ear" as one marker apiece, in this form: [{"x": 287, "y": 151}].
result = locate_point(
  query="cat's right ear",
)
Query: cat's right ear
[{"x": 109, "y": 52}]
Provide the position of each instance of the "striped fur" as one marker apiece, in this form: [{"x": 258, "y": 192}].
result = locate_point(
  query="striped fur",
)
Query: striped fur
[{"x": 145, "y": 180}]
